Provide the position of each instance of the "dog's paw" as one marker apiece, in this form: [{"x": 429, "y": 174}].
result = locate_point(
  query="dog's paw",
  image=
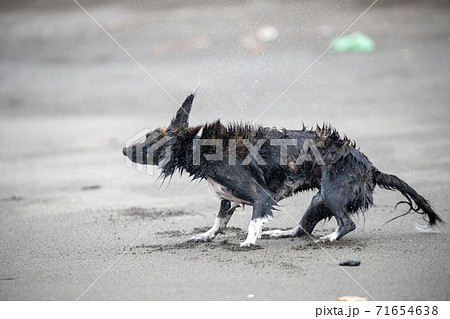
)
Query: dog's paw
[
  {"x": 325, "y": 240},
  {"x": 273, "y": 233},
  {"x": 202, "y": 238},
  {"x": 328, "y": 238},
  {"x": 248, "y": 243}
]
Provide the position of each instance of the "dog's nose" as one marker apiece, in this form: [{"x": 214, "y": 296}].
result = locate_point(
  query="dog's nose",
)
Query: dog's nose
[{"x": 124, "y": 151}]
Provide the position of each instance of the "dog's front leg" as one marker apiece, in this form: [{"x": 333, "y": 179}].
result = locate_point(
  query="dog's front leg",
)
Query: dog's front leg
[
  {"x": 254, "y": 231},
  {"x": 220, "y": 224},
  {"x": 262, "y": 212}
]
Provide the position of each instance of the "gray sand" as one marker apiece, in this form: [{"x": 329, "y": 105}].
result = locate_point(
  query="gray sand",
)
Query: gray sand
[{"x": 70, "y": 98}]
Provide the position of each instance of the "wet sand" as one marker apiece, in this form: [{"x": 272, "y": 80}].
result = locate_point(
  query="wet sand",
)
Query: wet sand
[{"x": 70, "y": 98}]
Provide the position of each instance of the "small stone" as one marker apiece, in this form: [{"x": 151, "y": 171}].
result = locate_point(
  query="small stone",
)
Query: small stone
[{"x": 350, "y": 262}]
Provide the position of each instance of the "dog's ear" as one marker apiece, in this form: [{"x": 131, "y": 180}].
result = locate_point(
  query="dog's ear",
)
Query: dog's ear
[{"x": 182, "y": 116}]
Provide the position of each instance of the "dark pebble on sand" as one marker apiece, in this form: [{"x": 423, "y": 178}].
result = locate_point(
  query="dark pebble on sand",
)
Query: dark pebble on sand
[
  {"x": 350, "y": 262},
  {"x": 13, "y": 198},
  {"x": 91, "y": 187}
]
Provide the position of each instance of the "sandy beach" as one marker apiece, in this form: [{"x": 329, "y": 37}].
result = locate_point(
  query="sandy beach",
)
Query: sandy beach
[{"x": 77, "y": 223}]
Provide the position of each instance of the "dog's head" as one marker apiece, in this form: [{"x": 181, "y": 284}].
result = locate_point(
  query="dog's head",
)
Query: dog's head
[{"x": 156, "y": 146}]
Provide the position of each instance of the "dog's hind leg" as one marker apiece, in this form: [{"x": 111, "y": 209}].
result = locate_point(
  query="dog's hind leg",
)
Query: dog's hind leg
[
  {"x": 316, "y": 212},
  {"x": 337, "y": 197},
  {"x": 345, "y": 225},
  {"x": 222, "y": 219}
]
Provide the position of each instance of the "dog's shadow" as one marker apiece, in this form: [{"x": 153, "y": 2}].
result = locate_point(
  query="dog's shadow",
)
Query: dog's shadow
[{"x": 230, "y": 242}]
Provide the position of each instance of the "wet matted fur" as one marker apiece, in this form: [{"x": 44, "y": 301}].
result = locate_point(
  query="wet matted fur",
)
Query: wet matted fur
[{"x": 247, "y": 165}]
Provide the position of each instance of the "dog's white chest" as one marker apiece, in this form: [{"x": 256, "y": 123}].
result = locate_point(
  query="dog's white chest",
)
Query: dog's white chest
[{"x": 223, "y": 193}]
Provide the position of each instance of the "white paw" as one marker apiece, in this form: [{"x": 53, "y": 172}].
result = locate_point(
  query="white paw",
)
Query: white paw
[
  {"x": 323, "y": 240},
  {"x": 248, "y": 243},
  {"x": 326, "y": 239},
  {"x": 273, "y": 233},
  {"x": 202, "y": 238}
]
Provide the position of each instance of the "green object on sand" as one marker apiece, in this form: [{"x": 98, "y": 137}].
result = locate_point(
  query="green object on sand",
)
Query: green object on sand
[{"x": 355, "y": 42}]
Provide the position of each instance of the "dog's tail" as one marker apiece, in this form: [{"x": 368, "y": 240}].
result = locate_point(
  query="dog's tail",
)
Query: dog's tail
[{"x": 392, "y": 182}]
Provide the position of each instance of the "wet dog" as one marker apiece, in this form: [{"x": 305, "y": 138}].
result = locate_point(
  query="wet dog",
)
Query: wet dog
[{"x": 259, "y": 166}]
